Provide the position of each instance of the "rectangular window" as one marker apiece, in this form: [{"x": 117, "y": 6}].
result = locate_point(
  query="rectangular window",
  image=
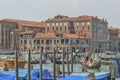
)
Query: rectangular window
[
  {"x": 62, "y": 41},
  {"x": 38, "y": 41},
  {"x": 50, "y": 41},
  {"x": 34, "y": 41},
  {"x": 67, "y": 41},
  {"x": 30, "y": 42},
  {"x": 60, "y": 29},
  {"x": 88, "y": 28},
  {"x": 82, "y": 28},
  {"x": 25, "y": 41},
  {"x": 54, "y": 41},
  {"x": 56, "y": 28},
  {"x": 42, "y": 41},
  {"x": 53, "y": 28},
  {"x": 21, "y": 41},
  {"x": 47, "y": 41},
  {"x": 65, "y": 28},
  {"x": 47, "y": 29}
]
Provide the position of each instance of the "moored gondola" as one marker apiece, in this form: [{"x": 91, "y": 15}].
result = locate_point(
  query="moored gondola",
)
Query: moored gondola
[{"x": 97, "y": 66}]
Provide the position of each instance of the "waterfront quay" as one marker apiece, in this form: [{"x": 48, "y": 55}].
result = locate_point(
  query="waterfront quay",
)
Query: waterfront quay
[{"x": 70, "y": 46}]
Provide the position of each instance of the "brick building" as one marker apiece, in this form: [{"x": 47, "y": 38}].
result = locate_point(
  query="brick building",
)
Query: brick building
[
  {"x": 113, "y": 37},
  {"x": 77, "y": 32}
]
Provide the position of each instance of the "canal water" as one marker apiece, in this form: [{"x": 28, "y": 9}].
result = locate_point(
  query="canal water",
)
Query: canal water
[{"x": 76, "y": 67}]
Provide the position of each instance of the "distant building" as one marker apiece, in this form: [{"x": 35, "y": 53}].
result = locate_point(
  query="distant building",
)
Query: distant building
[
  {"x": 90, "y": 31},
  {"x": 119, "y": 40},
  {"x": 113, "y": 34},
  {"x": 11, "y": 29},
  {"x": 73, "y": 32}
]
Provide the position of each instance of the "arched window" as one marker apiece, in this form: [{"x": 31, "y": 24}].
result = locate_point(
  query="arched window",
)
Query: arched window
[
  {"x": 65, "y": 29},
  {"x": 82, "y": 27},
  {"x": 56, "y": 28},
  {"x": 53, "y": 28},
  {"x": 47, "y": 29},
  {"x": 77, "y": 28},
  {"x": 60, "y": 29},
  {"x": 88, "y": 27}
]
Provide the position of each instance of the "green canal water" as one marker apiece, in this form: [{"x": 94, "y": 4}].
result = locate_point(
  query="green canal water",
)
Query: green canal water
[{"x": 76, "y": 67}]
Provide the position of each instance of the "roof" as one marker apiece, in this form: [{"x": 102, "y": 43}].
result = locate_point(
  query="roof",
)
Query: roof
[
  {"x": 45, "y": 36},
  {"x": 84, "y": 17},
  {"x": 26, "y": 23},
  {"x": 66, "y": 18},
  {"x": 111, "y": 28},
  {"x": 53, "y": 36},
  {"x": 27, "y": 32},
  {"x": 67, "y": 35}
]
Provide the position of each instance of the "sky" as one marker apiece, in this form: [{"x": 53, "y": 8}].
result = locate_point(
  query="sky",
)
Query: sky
[{"x": 41, "y": 10}]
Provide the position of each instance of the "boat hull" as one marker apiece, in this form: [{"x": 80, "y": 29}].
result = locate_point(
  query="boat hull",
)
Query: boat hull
[
  {"x": 11, "y": 63},
  {"x": 97, "y": 66}
]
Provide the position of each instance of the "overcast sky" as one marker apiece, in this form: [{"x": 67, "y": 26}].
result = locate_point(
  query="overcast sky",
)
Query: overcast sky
[{"x": 40, "y": 10}]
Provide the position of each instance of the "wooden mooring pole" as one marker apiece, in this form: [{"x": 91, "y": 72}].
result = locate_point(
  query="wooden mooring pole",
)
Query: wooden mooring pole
[
  {"x": 16, "y": 64},
  {"x": 41, "y": 51},
  {"x": 72, "y": 60},
  {"x": 54, "y": 64},
  {"x": 28, "y": 76},
  {"x": 63, "y": 65},
  {"x": 68, "y": 67}
]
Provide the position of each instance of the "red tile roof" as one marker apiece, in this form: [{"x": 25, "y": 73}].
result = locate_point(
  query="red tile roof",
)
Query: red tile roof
[
  {"x": 53, "y": 36},
  {"x": 65, "y": 18},
  {"x": 111, "y": 28},
  {"x": 27, "y": 32},
  {"x": 26, "y": 23},
  {"x": 45, "y": 36},
  {"x": 67, "y": 35}
]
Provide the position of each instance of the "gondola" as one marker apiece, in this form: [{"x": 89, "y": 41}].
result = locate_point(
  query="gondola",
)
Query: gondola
[
  {"x": 108, "y": 58},
  {"x": 111, "y": 53},
  {"x": 94, "y": 65},
  {"x": 37, "y": 61},
  {"x": 10, "y": 62},
  {"x": 97, "y": 66},
  {"x": 60, "y": 61}
]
